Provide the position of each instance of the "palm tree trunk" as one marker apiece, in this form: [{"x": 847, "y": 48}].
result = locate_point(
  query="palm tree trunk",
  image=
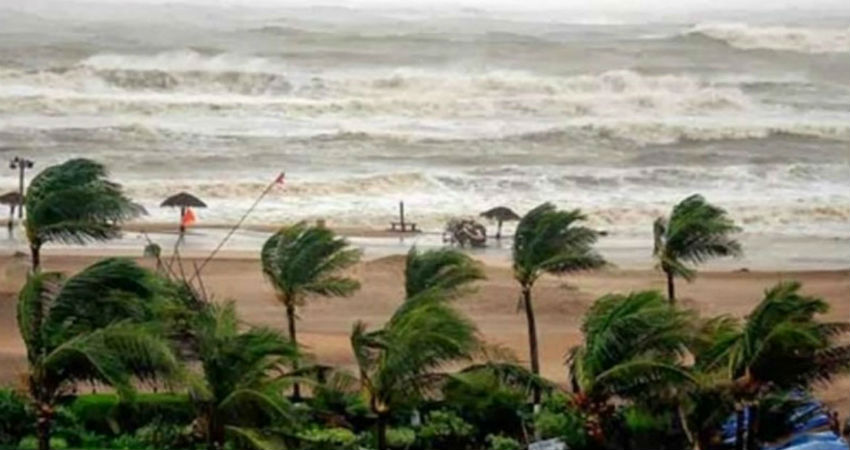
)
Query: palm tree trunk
[
  {"x": 215, "y": 429},
  {"x": 382, "y": 431},
  {"x": 43, "y": 427},
  {"x": 752, "y": 428},
  {"x": 739, "y": 428},
  {"x": 290, "y": 318},
  {"x": 671, "y": 287},
  {"x": 35, "y": 254},
  {"x": 499, "y": 231},
  {"x": 683, "y": 422},
  {"x": 532, "y": 338}
]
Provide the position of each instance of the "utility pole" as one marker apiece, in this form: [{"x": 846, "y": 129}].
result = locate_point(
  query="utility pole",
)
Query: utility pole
[{"x": 22, "y": 164}]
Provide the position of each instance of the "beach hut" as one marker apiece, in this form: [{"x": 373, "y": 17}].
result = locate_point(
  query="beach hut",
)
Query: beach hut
[
  {"x": 500, "y": 214},
  {"x": 184, "y": 201},
  {"x": 13, "y": 199}
]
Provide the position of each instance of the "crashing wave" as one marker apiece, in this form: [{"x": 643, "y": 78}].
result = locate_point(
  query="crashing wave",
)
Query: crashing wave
[{"x": 794, "y": 39}]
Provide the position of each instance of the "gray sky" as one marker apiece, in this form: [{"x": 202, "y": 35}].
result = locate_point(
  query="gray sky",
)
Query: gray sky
[{"x": 584, "y": 5}]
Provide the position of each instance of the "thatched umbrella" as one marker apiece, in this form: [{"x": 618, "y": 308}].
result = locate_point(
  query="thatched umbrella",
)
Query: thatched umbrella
[
  {"x": 183, "y": 200},
  {"x": 13, "y": 199},
  {"x": 500, "y": 214}
]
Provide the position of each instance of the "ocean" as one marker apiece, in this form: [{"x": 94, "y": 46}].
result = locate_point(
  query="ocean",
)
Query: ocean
[{"x": 452, "y": 110}]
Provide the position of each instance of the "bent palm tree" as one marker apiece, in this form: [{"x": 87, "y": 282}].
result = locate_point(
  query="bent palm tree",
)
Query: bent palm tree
[
  {"x": 781, "y": 346},
  {"x": 633, "y": 350},
  {"x": 88, "y": 328},
  {"x": 74, "y": 202},
  {"x": 399, "y": 362},
  {"x": 548, "y": 240},
  {"x": 445, "y": 269},
  {"x": 240, "y": 386},
  {"x": 302, "y": 260},
  {"x": 695, "y": 232}
]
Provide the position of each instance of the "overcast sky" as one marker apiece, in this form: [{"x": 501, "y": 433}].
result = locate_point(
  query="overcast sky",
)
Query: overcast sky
[{"x": 586, "y": 5}]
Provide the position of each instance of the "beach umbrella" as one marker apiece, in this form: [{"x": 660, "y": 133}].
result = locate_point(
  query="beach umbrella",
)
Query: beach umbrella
[
  {"x": 183, "y": 200},
  {"x": 13, "y": 199},
  {"x": 500, "y": 214}
]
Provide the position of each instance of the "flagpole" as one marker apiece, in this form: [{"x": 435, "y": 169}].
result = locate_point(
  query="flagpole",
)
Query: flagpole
[{"x": 238, "y": 224}]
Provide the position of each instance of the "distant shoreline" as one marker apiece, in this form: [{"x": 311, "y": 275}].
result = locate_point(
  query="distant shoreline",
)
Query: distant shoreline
[{"x": 762, "y": 252}]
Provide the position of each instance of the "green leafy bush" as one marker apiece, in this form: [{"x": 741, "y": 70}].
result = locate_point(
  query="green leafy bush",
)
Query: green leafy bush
[
  {"x": 499, "y": 442},
  {"x": 160, "y": 434},
  {"x": 559, "y": 419},
  {"x": 400, "y": 438},
  {"x": 328, "y": 439},
  {"x": 641, "y": 421},
  {"x": 16, "y": 419},
  {"x": 128, "y": 442},
  {"x": 445, "y": 429},
  {"x": 31, "y": 443},
  {"x": 487, "y": 403},
  {"x": 105, "y": 413}
]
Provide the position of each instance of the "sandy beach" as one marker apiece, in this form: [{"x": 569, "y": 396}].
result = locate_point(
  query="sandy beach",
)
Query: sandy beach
[{"x": 560, "y": 303}]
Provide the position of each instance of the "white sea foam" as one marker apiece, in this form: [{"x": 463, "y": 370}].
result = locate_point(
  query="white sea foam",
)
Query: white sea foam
[
  {"x": 449, "y": 115},
  {"x": 795, "y": 39}
]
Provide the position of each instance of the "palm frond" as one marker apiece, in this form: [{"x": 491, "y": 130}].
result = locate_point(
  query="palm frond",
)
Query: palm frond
[
  {"x": 512, "y": 375},
  {"x": 551, "y": 240},
  {"x": 248, "y": 402},
  {"x": 74, "y": 202},
  {"x": 781, "y": 344},
  {"x": 34, "y": 301},
  {"x": 108, "y": 290},
  {"x": 300, "y": 260},
  {"x": 641, "y": 377},
  {"x": 258, "y": 439},
  {"x": 113, "y": 355},
  {"x": 625, "y": 334},
  {"x": 695, "y": 232},
  {"x": 232, "y": 359},
  {"x": 446, "y": 269},
  {"x": 402, "y": 361}
]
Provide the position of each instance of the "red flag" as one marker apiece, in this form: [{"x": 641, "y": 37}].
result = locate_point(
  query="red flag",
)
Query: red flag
[
  {"x": 279, "y": 179},
  {"x": 188, "y": 218}
]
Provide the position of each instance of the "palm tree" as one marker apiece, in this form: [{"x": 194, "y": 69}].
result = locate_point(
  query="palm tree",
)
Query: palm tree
[
  {"x": 302, "y": 260},
  {"x": 633, "y": 349},
  {"x": 695, "y": 232},
  {"x": 548, "y": 240},
  {"x": 780, "y": 346},
  {"x": 399, "y": 363},
  {"x": 241, "y": 376},
  {"x": 89, "y": 328},
  {"x": 73, "y": 202},
  {"x": 445, "y": 269}
]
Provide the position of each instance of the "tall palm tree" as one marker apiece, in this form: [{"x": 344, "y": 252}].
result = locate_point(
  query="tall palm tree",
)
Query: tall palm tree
[
  {"x": 781, "y": 346},
  {"x": 303, "y": 260},
  {"x": 90, "y": 327},
  {"x": 242, "y": 380},
  {"x": 74, "y": 202},
  {"x": 399, "y": 362},
  {"x": 633, "y": 349},
  {"x": 695, "y": 232},
  {"x": 445, "y": 269},
  {"x": 548, "y": 240}
]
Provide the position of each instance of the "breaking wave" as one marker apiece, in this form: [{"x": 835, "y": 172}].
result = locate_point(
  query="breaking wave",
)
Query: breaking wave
[
  {"x": 636, "y": 131},
  {"x": 140, "y": 84},
  {"x": 794, "y": 39},
  {"x": 661, "y": 132}
]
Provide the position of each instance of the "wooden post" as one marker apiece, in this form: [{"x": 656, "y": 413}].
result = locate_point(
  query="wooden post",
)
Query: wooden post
[
  {"x": 11, "y": 224},
  {"x": 401, "y": 215},
  {"x": 182, "y": 215}
]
